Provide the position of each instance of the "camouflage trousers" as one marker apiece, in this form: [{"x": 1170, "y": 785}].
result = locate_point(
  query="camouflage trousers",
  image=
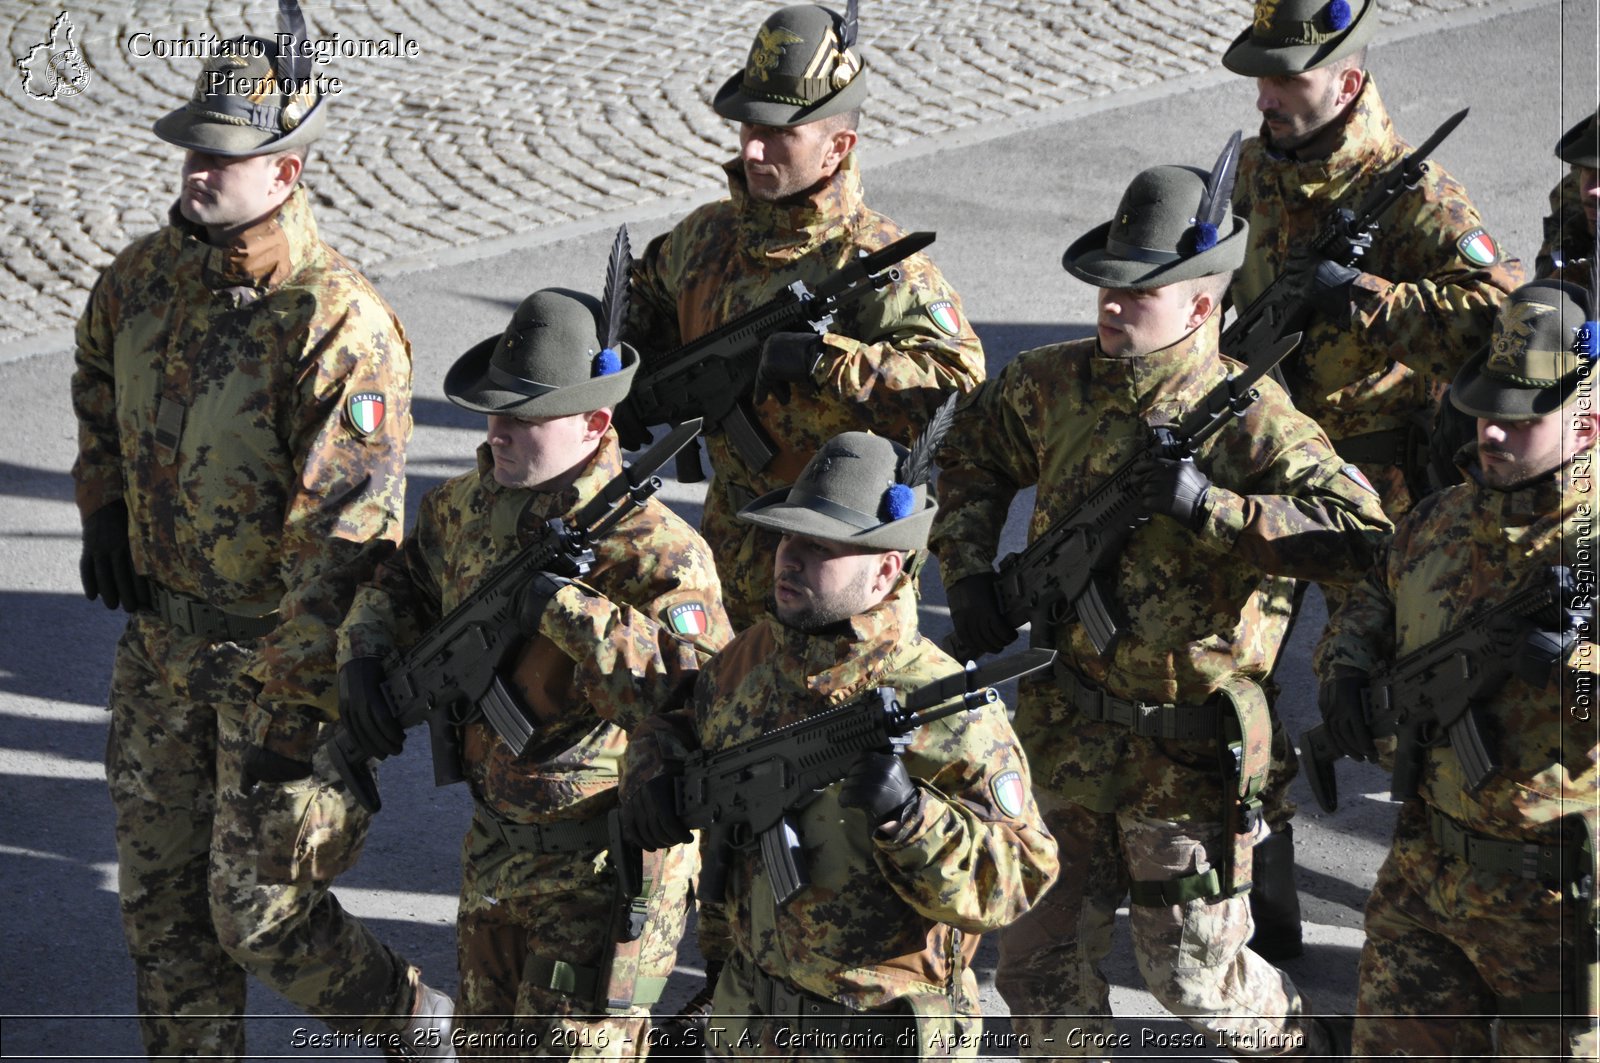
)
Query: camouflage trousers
[
  {"x": 517, "y": 915},
  {"x": 215, "y": 883},
  {"x": 1192, "y": 955},
  {"x": 916, "y": 1029},
  {"x": 1445, "y": 943}
]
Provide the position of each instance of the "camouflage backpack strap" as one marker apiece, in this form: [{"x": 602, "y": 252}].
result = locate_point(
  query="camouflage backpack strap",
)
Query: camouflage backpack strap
[{"x": 1244, "y": 747}]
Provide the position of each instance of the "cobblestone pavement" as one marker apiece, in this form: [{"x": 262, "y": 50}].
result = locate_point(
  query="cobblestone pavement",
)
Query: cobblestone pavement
[{"x": 512, "y": 116}]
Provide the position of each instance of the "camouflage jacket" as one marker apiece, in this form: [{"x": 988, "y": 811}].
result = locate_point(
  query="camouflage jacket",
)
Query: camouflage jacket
[
  {"x": 1467, "y": 548},
  {"x": 251, "y": 404},
  {"x": 1426, "y": 302},
  {"x": 882, "y": 918},
  {"x": 1195, "y": 607},
  {"x": 1567, "y": 236},
  {"x": 893, "y": 357},
  {"x": 612, "y": 648}
]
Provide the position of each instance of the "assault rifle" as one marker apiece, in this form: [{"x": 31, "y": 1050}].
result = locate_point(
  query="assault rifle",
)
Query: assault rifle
[
  {"x": 746, "y": 794},
  {"x": 712, "y": 377},
  {"x": 1439, "y": 692},
  {"x": 1057, "y": 576},
  {"x": 454, "y": 671},
  {"x": 1345, "y": 235}
]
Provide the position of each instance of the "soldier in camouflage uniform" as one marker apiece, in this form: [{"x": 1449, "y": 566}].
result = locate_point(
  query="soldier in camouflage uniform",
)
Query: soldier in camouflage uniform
[
  {"x": 243, "y": 402},
  {"x": 541, "y": 972},
  {"x": 1127, "y": 748},
  {"x": 1385, "y": 336},
  {"x": 1484, "y": 906},
  {"x": 911, "y": 857},
  {"x": 795, "y": 212},
  {"x": 1569, "y": 228}
]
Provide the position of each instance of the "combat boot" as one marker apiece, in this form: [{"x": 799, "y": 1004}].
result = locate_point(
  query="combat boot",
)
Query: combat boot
[
  {"x": 1328, "y": 1036},
  {"x": 683, "y": 1036},
  {"x": 1274, "y": 900},
  {"x": 426, "y": 1032}
]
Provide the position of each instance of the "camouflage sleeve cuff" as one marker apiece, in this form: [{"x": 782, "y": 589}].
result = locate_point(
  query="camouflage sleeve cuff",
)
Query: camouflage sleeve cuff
[
  {"x": 920, "y": 839},
  {"x": 1367, "y": 297},
  {"x": 576, "y": 618},
  {"x": 292, "y": 731},
  {"x": 958, "y": 560},
  {"x": 363, "y": 640},
  {"x": 1224, "y": 521}
]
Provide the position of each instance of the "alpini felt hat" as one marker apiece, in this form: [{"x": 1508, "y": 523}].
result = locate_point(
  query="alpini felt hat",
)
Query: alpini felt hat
[
  {"x": 1580, "y": 145},
  {"x": 1174, "y": 223},
  {"x": 1543, "y": 348},
  {"x": 549, "y": 362},
  {"x": 802, "y": 67},
  {"x": 861, "y": 489},
  {"x": 849, "y": 493},
  {"x": 1293, "y": 36},
  {"x": 253, "y": 97}
]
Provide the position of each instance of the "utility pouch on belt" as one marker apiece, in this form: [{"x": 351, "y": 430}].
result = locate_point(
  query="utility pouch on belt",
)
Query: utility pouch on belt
[
  {"x": 615, "y": 986},
  {"x": 1236, "y": 715},
  {"x": 1244, "y": 741},
  {"x": 638, "y": 874},
  {"x": 1580, "y": 957}
]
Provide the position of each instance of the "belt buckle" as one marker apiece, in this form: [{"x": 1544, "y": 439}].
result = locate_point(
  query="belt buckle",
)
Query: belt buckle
[
  {"x": 1147, "y": 720},
  {"x": 180, "y": 613},
  {"x": 779, "y": 1002}
]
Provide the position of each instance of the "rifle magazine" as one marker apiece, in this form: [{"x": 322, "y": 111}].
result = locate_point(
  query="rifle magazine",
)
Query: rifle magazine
[
  {"x": 784, "y": 859},
  {"x": 503, "y": 709}
]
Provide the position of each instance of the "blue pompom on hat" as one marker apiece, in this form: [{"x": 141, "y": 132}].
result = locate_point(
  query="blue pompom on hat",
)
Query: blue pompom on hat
[
  {"x": 899, "y": 502},
  {"x": 1338, "y": 15},
  {"x": 607, "y": 362},
  {"x": 1205, "y": 236}
]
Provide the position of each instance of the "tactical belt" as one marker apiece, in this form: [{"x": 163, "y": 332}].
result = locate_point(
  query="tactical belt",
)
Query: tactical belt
[
  {"x": 586, "y": 836},
  {"x": 1184, "y": 723},
  {"x": 1392, "y": 446},
  {"x": 194, "y": 617},
  {"x": 1551, "y": 862},
  {"x": 777, "y": 999},
  {"x": 577, "y": 980}
]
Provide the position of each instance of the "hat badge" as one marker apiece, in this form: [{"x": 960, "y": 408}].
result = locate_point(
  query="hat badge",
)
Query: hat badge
[
  {"x": 1264, "y": 11},
  {"x": 769, "y": 47}
]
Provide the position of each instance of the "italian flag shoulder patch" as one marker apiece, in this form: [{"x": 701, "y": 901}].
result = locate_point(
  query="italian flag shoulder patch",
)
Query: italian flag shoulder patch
[
  {"x": 943, "y": 314},
  {"x": 363, "y": 412},
  {"x": 688, "y": 618},
  {"x": 1478, "y": 247}
]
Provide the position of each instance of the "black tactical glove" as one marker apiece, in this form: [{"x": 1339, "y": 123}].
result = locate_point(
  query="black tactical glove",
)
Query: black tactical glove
[
  {"x": 365, "y": 711},
  {"x": 106, "y": 565},
  {"x": 878, "y": 785},
  {"x": 533, "y": 599},
  {"x": 1540, "y": 652},
  {"x": 975, "y": 612},
  {"x": 786, "y": 358},
  {"x": 631, "y": 431},
  {"x": 650, "y": 815},
  {"x": 1327, "y": 285},
  {"x": 1175, "y": 488},
  {"x": 263, "y": 765},
  {"x": 1339, "y": 699}
]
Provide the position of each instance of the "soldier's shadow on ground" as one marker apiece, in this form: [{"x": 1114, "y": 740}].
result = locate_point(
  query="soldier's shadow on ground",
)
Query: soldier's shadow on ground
[{"x": 27, "y": 481}]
